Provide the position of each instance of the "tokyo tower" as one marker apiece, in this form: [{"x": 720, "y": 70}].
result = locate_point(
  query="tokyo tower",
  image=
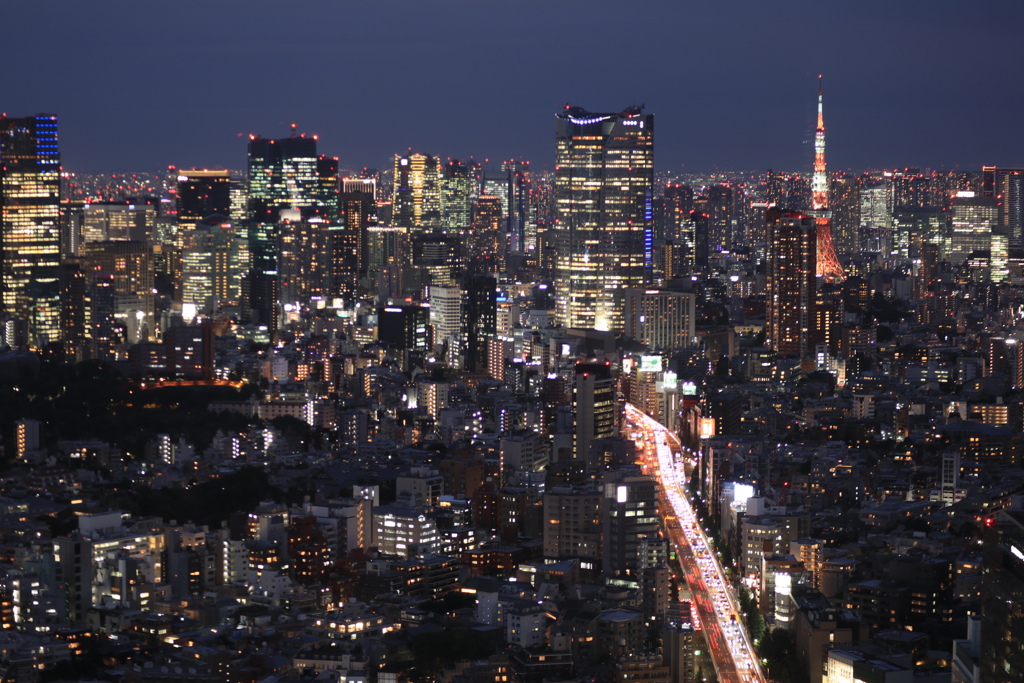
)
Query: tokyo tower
[{"x": 828, "y": 262}]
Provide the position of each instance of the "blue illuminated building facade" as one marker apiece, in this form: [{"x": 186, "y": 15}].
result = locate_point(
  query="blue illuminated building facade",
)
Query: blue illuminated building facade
[{"x": 30, "y": 229}]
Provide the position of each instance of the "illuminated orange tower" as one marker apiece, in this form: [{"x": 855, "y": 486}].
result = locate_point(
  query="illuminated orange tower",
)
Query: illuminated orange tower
[{"x": 828, "y": 262}]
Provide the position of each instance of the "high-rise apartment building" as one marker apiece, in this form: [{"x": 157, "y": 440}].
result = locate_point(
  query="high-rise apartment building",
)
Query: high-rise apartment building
[
  {"x": 30, "y": 227},
  {"x": 720, "y": 212},
  {"x": 604, "y": 180},
  {"x": 791, "y": 285}
]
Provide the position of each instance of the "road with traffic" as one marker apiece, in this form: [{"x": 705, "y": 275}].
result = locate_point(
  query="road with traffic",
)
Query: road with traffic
[{"x": 731, "y": 649}]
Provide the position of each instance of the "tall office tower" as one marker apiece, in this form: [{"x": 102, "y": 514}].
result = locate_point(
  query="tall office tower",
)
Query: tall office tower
[
  {"x": 104, "y": 338},
  {"x": 358, "y": 209},
  {"x": 446, "y": 317},
  {"x": 387, "y": 253},
  {"x": 521, "y": 213},
  {"x": 1002, "y": 610},
  {"x": 667, "y": 218},
  {"x": 661, "y": 319},
  {"x": 682, "y": 194},
  {"x": 828, "y": 263},
  {"x": 455, "y": 202},
  {"x": 201, "y": 194},
  {"x": 913, "y": 226},
  {"x": 437, "y": 259},
  {"x": 129, "y": 265},
  {"x": 1007, "y": 186},
  {"x": 971, "y": 224},
  {"x": 73, "y": 308},
  {"x": 72, "y": 225},
  {"x": 604, "y": 183},
  {"x": 844, "y": 200},
  {"x": 215, "y": 260},
  {"x": 416, "y": 193},
  {"x": 480, "y": 320},
  {"x": 30, "y": 227},
  {"x": 304, "y": 261},
  {"x": 667, "y": 261},
  {"x": 118, "y": 221},
  {"x": 496, "y": 184},
  {"x": 594, "y": 408},
  {"x": 720, "y": 213},
  {"x": 875, "y": 217},
  {"x": 487, "y": 246},
  {"x": 926, "y": 272},
  {"x": 790, "y": 281},
  {"x": 773, "y": 187},
  {"x": 283, "y": 174},
  {"x": 238, "y": 201},
  {"x": 910, "y": 187},
  {"x": 696, "y": 241},
  {"x": 1000, "y": 255},
  {"x": 757, "y": 229}
]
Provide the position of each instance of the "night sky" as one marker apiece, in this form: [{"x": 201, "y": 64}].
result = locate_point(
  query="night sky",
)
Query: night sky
[{"x": 140, "y": 84}]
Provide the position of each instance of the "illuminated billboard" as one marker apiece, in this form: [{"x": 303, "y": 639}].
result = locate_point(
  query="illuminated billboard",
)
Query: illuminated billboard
[{"x": 650, "y": 364}]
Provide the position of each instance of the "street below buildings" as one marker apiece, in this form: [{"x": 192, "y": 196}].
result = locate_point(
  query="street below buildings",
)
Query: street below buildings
[{"x": 730, "y": 647}]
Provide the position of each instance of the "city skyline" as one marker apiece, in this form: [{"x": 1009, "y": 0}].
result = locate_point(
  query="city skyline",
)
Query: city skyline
[{"x": 728, "y": 90}]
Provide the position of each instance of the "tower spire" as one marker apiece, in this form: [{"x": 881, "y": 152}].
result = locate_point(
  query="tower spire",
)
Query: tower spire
[
  {"x": 828, "y": 266},
  {"x": 819, "y": 183}
]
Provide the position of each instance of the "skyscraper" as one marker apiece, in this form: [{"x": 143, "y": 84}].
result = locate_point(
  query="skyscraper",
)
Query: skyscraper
[
  {"x": 201, "y": 193},
  {"x": 791, "y": 268},
  {"x": 487, "y": 248},
  {"x": 455, "y": 202},
  {"x": 1006, "y": 185},
  {"x": 358, "y": 209},
  {"x": 604, "y": 178},
  {"x": 480, "y": 320},
  {"x": 214, "y": 258},
  {"x": 844, "y": 202},
  {"x": 417, "y": 192},
  {"x": 720, "y": 214},
  {"x": 594, "y": 408},
  {"x": 30, "y": 226},
  {"x": 1002, "y": 598},
  {"x": 283, "y": 174}
]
